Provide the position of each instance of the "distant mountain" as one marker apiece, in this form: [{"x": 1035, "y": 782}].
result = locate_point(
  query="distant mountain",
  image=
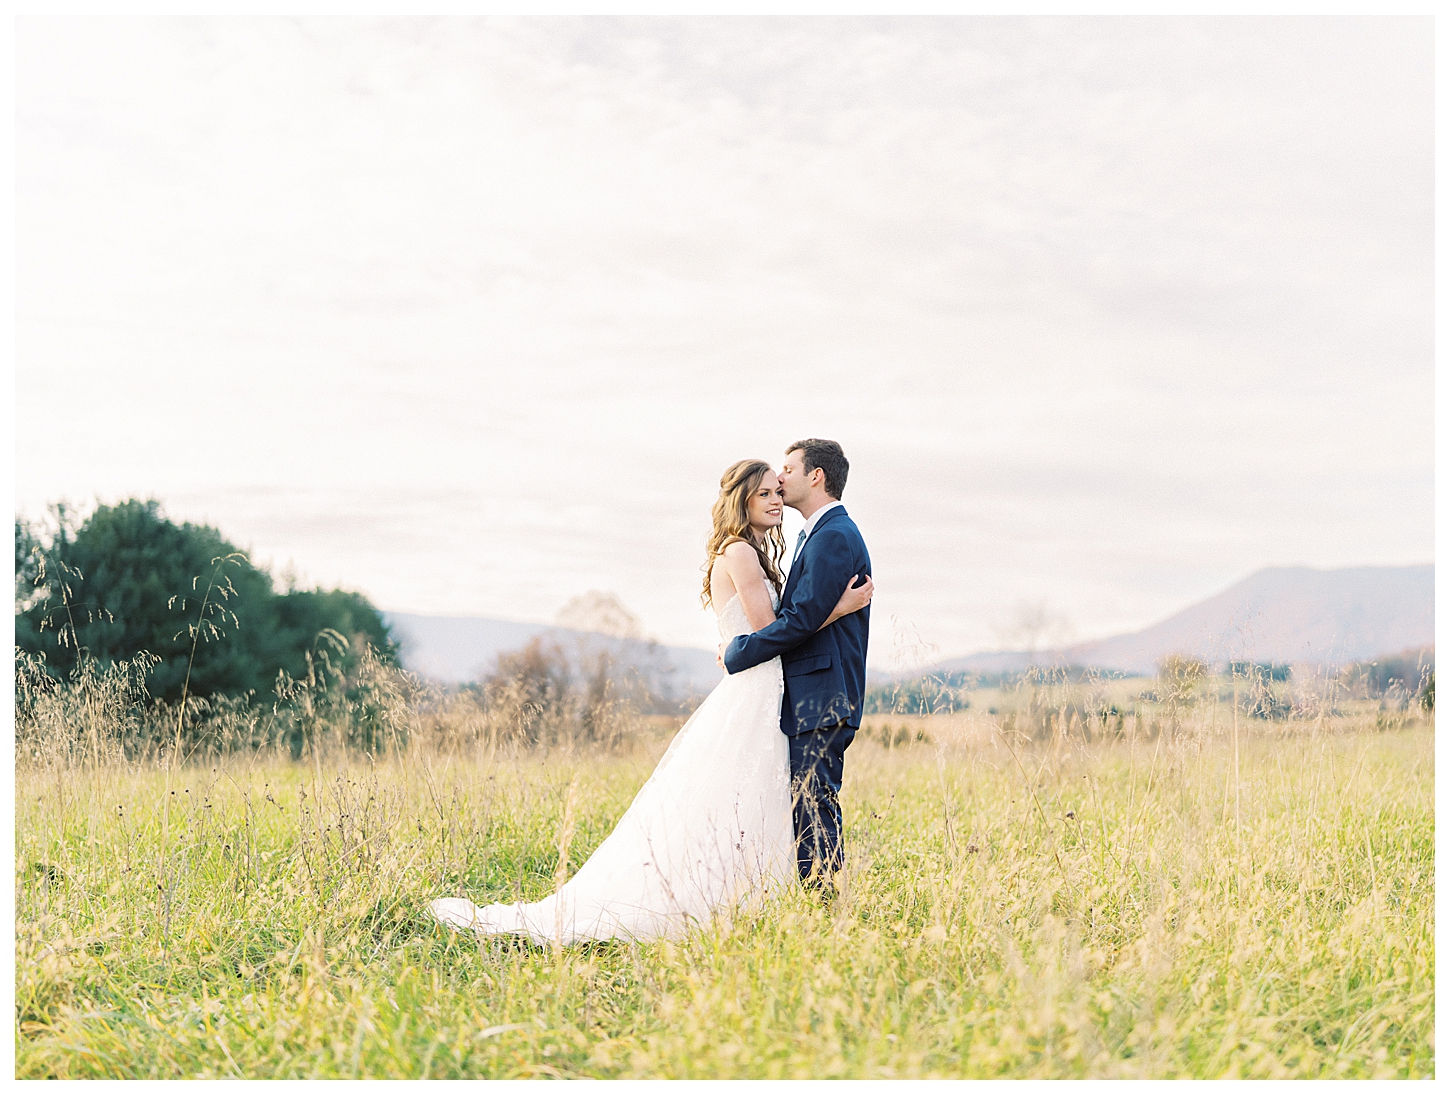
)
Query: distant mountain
[
  {"x": 454, "y": 649},
  {"x": 1279, "y": 614}
]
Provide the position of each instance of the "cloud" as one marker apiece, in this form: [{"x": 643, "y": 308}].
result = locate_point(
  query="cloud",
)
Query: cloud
[{"x": 470, "y": 313}]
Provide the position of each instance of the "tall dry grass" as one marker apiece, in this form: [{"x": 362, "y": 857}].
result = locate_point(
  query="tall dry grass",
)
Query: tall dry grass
[{"x": 1197, "y": 892}]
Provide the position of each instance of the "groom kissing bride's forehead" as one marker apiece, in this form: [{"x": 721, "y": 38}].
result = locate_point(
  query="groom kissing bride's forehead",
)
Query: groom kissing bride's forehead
[
  {"x": 813, "y": 475},
  {"x": 744, "y": 801},
  {"x": 823, "y": 660}
]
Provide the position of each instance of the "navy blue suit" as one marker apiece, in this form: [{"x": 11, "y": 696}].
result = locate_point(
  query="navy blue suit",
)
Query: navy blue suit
[{"x": 825, "y": 679}]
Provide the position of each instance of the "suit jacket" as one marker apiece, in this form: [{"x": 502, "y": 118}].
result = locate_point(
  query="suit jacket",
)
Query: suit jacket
[{"x": 825, "y": 670}]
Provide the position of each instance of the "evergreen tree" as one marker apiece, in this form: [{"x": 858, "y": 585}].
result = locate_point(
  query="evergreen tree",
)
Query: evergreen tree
[{"x": 128, "y": 579}]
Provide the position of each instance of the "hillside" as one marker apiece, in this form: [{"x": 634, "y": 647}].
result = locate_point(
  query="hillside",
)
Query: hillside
[
  {"x": 1279, "y": 614},
  {"x": 453, "y": 649}
]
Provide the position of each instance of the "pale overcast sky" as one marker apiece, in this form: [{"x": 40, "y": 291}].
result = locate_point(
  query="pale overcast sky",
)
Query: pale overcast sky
[{"x": 470, "y": 314}]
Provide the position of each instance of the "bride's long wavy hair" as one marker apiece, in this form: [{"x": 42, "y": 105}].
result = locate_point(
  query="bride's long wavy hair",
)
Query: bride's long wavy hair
[{"x": 730, "y": 519}]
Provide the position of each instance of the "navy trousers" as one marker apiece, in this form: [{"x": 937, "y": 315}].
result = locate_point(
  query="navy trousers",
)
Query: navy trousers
[{"x": 817, "y": 759}]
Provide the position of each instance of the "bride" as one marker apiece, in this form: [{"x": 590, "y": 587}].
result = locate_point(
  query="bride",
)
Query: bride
[{"x": 712, "y": 825}]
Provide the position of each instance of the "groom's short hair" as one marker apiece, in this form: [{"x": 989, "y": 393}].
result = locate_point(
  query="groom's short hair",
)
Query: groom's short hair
[{"x": 827, "y": 456}]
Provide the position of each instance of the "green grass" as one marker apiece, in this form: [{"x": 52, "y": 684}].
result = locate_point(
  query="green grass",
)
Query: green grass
[{"x": 1145, "y": 910}]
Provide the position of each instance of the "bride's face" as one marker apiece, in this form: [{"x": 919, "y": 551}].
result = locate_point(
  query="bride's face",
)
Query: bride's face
[{"x": 766, "y": 504}]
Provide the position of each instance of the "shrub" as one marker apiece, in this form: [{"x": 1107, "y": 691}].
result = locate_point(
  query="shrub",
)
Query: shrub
[{"x": 128, "y": 580}]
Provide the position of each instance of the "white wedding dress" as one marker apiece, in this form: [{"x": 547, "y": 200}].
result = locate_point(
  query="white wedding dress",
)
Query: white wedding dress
[{"x": 710, "y": 828}]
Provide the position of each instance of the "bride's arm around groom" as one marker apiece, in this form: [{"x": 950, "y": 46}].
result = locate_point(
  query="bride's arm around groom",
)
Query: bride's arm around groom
[
  {"x": 824, "y": 666},
  {"x": 829, "y": 563}
]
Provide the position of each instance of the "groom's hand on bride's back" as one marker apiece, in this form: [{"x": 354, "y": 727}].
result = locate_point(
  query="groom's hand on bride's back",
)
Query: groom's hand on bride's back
[{"x": 720, "y": 655}]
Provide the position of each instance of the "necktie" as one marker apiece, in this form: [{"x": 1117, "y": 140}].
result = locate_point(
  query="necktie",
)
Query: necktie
[{"x": 799, "y": 543}]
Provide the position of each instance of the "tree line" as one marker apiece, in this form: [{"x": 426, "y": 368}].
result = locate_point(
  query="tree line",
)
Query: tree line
[
  {"x": 122, "y": 615},
  {"x": 127, "y": 580}
]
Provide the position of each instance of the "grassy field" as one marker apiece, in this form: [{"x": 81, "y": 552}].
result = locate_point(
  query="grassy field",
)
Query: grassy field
[{"x": 1192, "y": 904}]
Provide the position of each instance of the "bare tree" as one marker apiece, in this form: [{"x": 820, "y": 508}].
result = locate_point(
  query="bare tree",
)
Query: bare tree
[
  {"x": 619, "y": 665},
  {"x": 1031, "y": 624},
  {"x": 600, "y": 612}
]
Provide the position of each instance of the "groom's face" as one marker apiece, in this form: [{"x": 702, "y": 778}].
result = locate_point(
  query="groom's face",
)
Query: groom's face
[{"x": 795, "y": 481}]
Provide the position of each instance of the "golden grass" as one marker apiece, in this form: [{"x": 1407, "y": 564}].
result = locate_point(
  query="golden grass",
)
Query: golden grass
[{"x": 1190, "y": 904}]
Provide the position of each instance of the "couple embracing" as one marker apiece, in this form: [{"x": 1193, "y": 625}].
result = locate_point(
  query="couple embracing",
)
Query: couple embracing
[{"x": 743, "y": 803}]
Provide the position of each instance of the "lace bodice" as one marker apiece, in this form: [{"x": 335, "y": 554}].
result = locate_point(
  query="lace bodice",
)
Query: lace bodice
[{"x": 732, "y": 620}]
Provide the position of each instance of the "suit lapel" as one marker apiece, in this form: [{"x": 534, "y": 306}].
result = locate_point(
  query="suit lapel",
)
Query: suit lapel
[
  {"x": 800, "y": 564},
  {"x": 790, "y": 579},
  {"x": 826, "y": 519}
]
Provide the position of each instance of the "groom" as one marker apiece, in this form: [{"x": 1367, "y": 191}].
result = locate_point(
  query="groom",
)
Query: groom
[{"x": 825, "y": 670}]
